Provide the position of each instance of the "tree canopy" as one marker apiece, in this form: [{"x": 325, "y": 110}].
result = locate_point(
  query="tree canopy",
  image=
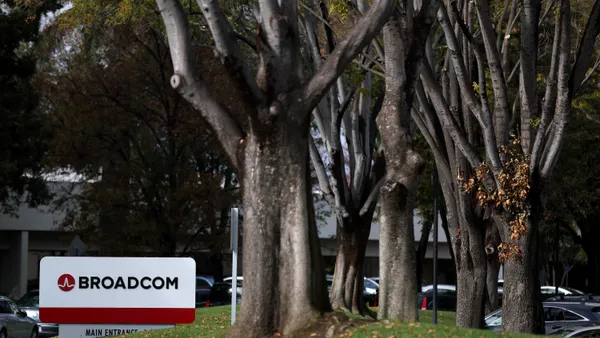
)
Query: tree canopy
[{"x": 24, "y": 127}]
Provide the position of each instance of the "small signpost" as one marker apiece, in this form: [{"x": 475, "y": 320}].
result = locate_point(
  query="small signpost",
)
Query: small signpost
[
  {"x": 106, "y": 296},
  {"x": 234, "y": 254}
]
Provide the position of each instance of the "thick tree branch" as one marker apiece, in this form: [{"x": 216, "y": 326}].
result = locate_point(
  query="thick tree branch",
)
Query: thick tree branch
[
  {"x": 591, "y": 72},
  {"x": 361, "y": 35},
  {"x": 373, "y": 196},
  {"x": 320, "y": 171},
  {"x": 586, "y": 49},
  {"x": 227, "y": 46},
  {"x": 445, "y": 115},
  {"x": 549, "y": 100},
  {"x": 485, "y": 120},
  {"x": 501, "y": 106},
  {"x": 188, "y": 82},
  {"x": 528, "y": 76},
  {"x": 563, "y": 101}
]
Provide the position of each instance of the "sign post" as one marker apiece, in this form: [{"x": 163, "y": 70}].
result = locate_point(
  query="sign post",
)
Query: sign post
[
  {"x": 234, "y": 257},
  {"x": 106, "y": 296},
  {"x": 435, "y": 245}
]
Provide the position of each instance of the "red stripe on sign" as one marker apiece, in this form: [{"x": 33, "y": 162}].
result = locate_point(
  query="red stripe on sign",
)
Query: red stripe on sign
[{"x": 61, "y": 315}]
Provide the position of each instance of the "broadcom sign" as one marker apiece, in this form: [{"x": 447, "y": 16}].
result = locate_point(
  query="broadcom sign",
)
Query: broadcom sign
[{"x": 117, "y": 290}]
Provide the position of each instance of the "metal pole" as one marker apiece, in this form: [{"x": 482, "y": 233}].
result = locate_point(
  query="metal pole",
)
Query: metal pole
[
  {"x": 435, "y": 243},
  {"x": 234, "y": 254}
]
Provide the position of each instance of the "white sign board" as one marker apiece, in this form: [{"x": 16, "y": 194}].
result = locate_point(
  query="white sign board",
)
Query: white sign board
[
  {"x": 82, "y": 330},
  {"x": 117, "y": 290}
]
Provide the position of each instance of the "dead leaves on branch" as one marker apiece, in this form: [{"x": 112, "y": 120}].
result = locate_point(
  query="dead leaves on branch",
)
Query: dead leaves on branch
[{"x": 511, "y": 194}]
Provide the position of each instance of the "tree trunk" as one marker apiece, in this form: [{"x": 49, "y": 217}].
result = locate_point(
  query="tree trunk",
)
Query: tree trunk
[
  {"x": 283, "y": 270},
  {"x": 492, "y": 240},
  {"x": 348, "y": 278},
  {"x": 470, "y": 278},
  {"x": 521, "y": 298},
  {"x": 398, "y": 286}
]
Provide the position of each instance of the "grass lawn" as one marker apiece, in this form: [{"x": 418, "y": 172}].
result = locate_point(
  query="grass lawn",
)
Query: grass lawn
[{"x": 215, "y": 321}]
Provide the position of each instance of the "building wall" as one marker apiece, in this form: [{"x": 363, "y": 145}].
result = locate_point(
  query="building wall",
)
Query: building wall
[{"x": 44, "y": 238}]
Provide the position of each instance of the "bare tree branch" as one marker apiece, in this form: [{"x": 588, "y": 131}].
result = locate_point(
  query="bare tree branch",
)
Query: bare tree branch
[
  {"x": 320, "y": 171},
  {"x": 586, "y": 49},
  {"x": 485, "y": 120},
  {"x": 512, "y": 19},
  {"x": 528, "y": 76},
  {"x": 563, "y": 101},
  {"x": 188, "y": 82},
  {"x": 445, "y": 115},
  {"x": 549, "y": 99},
  {"x": 373, "y": 195},
  {"x": 501, "y": 113},
  {"x": 591, "y": 72},
  {"x": 361, "y": 35},
  {"x": 227, "y": 46}
]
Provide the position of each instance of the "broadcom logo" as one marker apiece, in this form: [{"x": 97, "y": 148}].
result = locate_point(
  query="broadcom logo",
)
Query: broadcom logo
[{"x": 66, "y": 282}]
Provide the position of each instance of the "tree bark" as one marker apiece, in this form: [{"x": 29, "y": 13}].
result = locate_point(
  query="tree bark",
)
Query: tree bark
[
  {"x": 348, "y": 279},
  {"x": 492, "y": 240},
  {"x": 470, "y": 276},
  {"x": 280, "y": 260},
  {"x": 521, "y": 296},
  {"x": 398, "y": 286}
]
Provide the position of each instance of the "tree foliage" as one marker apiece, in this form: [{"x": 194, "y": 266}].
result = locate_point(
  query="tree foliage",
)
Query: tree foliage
[
  {"x": 154, "y": 178},
  {"x": 24, "y": 127}
]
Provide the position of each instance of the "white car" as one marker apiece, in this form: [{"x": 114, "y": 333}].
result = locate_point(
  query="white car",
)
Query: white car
[
  {"x": 371, "y": 286},
  {"x": 240, "y": 279},
  {"x": 426, "y": 288},
  {"x": 562, "y": 291}
]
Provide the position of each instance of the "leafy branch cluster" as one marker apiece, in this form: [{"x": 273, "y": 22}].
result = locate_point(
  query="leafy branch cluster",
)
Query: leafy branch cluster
[{"x": 511, "y": 194}]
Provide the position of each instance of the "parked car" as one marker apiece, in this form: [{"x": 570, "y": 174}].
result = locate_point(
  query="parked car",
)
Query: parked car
[
  {"x": 203, "y": 285},
  {"x": 30, "y": 303},
  {"x": 446, "y": 297},
  {"x": 370, "y": 289},
  {"x": 582, "y": 332},
  {"x": 558, "y": 316},
  {"x": 220, "y": 294},
  {"x": 240, "y": 281},
  {"x": 14, "y": 322}
]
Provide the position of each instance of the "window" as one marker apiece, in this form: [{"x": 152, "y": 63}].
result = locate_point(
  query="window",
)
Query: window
[
  {"x": 494, "y": 320},
  {"x": 548, "y": 290},
  {"x": 572, "y": 316},
  {"x": 370, "y": 285},
  {"x": 553, "y": 314},
  {"x": 202, "y": 283},
  {"x": 30, "y": 302},
  {"x": 13, "y": 307},
  {"x": 4, "y": 307}
]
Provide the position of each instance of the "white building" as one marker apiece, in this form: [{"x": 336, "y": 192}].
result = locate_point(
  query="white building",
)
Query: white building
[
  {"x": 35, "y": 234},
  {"x": 327, "y": 231}
]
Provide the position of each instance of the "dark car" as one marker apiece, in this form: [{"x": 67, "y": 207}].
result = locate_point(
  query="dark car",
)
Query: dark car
[
  {"x": 446, "y": 300},
  {"x": 14, "y": 322},
  {"x": 582, "y": 332},
  {"x": 558, "y": 316},
  {"x": 203, "y": 285},
  {"x": 220, "y": 294},
  {"x": 30, "y": 303}
]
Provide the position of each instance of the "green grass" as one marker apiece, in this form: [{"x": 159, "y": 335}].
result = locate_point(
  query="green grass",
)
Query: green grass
[
  {"x": 422, "y": 329},
  {"x": 215, "y": 321}
]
